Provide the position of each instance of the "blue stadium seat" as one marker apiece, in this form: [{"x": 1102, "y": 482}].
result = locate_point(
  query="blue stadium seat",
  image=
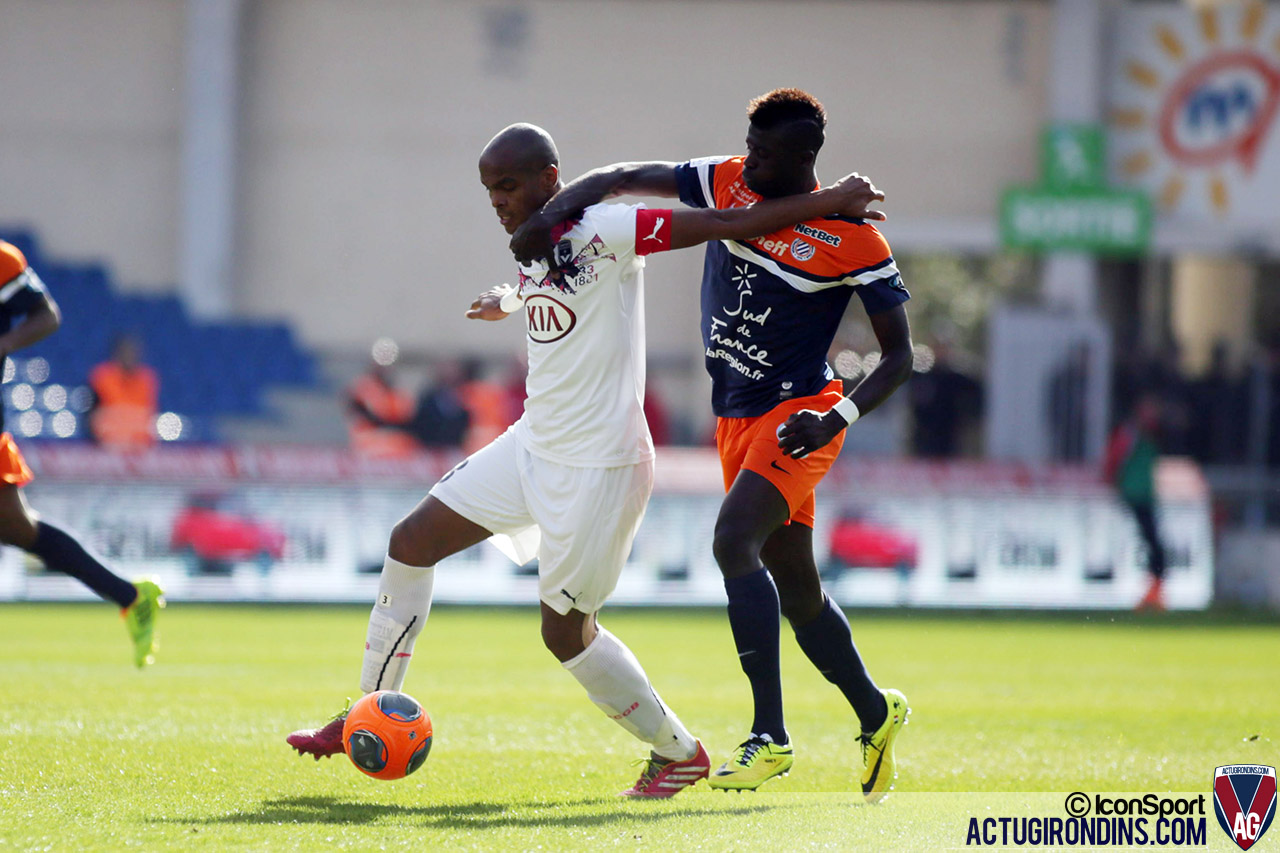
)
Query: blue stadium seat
[
  {"x": 27, "y": 242},
  {"x": 205, "y": 369}
]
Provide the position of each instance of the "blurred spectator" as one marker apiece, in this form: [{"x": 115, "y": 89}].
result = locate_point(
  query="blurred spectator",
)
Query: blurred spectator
[
  {"x": 655, "y": 412},
  {"x": 1130, "y": 466},
  {"x": 441, "y": 420},
  {"x": 1177, "y": 410},
  {"x": 1273, "y": 398},
  {"x": 944, "y": 402},
  {"x": 125, "y": 392},
  {"x": 516, "y": 372},
  {"x": 488, "y": 404},
  {"x": 1208, "y": 418},
  {"x": 1068, "y": 389},
  {"x": 380, "y": 415},
  {"x": 1262, "y": 384},
  {"x": 1217, "y": 413}
]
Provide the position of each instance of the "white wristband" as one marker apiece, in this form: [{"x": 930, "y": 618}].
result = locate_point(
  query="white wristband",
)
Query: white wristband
[
  {"x": 511, "y": 301},
  {"x": 847, "y": 409}
]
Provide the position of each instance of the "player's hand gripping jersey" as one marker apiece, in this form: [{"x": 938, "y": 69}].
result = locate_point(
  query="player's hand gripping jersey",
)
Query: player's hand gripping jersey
[
  {"x": 586, "y": 339},
  {"x": 771, "y": 306}
]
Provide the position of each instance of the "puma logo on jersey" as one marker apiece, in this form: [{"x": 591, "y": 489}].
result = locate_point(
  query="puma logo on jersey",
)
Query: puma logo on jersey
[{"x": 656, "y": 226}]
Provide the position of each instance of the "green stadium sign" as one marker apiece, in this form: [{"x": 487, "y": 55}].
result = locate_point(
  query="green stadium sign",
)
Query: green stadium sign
[
  {"x": 1073, "y": 156},
  {"x": 1098, "y": 220},
  {"x": 1073, "y": 209}
]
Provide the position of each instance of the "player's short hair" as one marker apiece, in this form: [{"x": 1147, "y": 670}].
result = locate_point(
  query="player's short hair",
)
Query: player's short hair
[
  {"x": 791, "y": 106},
  {"x": 530, "y": 146}
]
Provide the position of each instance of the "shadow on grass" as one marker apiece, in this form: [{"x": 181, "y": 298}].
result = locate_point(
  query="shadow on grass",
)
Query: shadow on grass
[{"x": 474, "y": 815}]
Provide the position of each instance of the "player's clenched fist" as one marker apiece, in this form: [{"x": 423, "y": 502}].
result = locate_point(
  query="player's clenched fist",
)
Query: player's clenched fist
[
  {"x": 857, "y": 192},
  {"x": 807, "y": 431}
]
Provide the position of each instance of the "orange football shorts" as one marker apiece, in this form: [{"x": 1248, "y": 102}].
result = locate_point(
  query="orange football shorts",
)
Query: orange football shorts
[
  {"x": 751, "y": 444},
  {"x": 13, "y": 468}
]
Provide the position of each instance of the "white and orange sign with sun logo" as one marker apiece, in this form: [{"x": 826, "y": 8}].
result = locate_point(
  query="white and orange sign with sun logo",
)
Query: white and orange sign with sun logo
[{"x": 1193, "y": 110}]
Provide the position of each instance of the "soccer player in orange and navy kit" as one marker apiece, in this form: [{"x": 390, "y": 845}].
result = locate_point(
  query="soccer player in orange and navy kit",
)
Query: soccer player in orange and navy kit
[
  {"x": 23, "y": 294},
  {"x": 770, "y": 310}
]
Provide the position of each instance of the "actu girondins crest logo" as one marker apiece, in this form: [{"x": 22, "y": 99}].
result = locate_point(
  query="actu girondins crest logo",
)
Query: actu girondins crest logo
[{"x": 1244, "y": 799}]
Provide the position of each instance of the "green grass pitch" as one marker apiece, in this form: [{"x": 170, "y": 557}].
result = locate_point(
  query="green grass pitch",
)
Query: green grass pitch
[{"x": 190, "y": 754}]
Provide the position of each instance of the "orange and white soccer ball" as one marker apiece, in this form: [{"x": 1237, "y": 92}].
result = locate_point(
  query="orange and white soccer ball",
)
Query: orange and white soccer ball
[{"x": 387, "y": 735}]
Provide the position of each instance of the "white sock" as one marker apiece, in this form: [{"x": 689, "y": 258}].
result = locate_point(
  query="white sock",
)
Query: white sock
[
  {"x": 617, "y": 684},
  {"x": 404, "y": 600}
]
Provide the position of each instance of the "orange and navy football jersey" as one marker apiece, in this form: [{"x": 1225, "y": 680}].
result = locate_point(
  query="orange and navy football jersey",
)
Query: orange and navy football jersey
[
  {"x": 21, "y": 291},
  {"x": 771, "y": 306}
]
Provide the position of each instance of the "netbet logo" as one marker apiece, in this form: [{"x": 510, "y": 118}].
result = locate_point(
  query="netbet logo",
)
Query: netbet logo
[{"x": 818, "y": 234}]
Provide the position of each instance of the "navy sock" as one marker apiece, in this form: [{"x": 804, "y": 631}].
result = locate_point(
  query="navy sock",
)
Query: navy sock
[
  {"x": 755, "y": 620},
  {"x": 828, "y": 642},
  {"x": 61, "y": 553}
]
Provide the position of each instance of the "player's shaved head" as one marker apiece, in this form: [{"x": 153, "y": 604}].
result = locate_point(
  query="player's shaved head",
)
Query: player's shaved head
[
  {"x": 793, "y": 114},
  {"x": 522, "y": 146},
  {"x": 520, "y": 168}
]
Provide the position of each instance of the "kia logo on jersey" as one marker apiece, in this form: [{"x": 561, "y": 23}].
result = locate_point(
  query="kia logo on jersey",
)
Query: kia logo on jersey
[{"x": 549, "y": 319}]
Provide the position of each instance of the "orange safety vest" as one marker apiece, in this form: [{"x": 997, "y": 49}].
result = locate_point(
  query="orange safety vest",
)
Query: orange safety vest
[
  {"x": 126, "y": 407},
  {"x": 487, "y": 404},
  {"x": 369, "y": 439}
]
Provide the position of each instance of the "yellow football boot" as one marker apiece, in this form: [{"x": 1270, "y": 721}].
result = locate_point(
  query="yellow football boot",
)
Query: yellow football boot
[
  {"x": 140, "y": 621},
  {"x": 752, "y": 764},
  {"x": 879, "y": 768}
]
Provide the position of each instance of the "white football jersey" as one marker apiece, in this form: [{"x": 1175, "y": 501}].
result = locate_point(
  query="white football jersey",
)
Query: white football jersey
[{"x": 586, "y": 341}]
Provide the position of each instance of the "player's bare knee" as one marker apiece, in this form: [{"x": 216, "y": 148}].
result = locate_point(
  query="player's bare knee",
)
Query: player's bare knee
[
  {"x": 411, "y": 545},
  {"x": 17, "y": 520},
  {"x": 564, "y": 644},
  {"x": 562, "y": 635},
  {"x": 18, "y": 531},
  {"x": 736, "y": 552}
]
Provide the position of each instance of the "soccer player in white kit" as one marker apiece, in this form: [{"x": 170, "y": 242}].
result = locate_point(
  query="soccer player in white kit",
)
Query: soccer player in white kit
[{"x": 569, "y": 481}]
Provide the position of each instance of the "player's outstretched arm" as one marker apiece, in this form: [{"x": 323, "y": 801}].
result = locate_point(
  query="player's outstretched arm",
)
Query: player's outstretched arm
[
  {"x": 490, "y": 304},
  {"x": 40, "y": 322},
  {"x": 847, "y": 197},
  {"x": 806, "y": 431},
  {"x": 532, "y": 239}
]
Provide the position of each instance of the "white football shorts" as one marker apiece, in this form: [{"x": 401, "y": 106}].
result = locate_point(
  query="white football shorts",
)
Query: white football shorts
[{"x": 587, "y": 517}]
